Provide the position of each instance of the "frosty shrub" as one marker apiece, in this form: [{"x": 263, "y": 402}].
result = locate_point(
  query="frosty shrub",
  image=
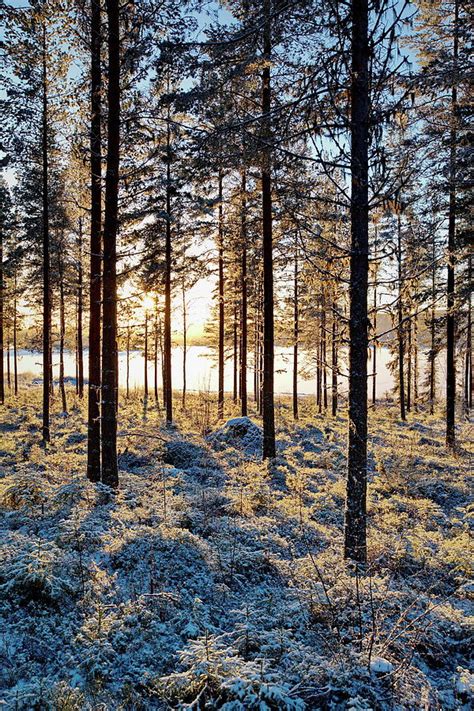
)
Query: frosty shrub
[
  {"x": 215, "y": 677},
  {"x": 33, "y": 570},
  {"x": 23, "y": 489}
]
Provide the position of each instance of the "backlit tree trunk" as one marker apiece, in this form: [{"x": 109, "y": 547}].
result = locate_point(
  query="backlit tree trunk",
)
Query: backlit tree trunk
[
  {"x": 109, "y": 327},
  {"x": 355, "y": 542}
]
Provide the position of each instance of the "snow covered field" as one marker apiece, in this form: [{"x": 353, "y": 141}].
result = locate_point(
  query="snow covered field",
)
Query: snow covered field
[{"x": 209, "y": 581}]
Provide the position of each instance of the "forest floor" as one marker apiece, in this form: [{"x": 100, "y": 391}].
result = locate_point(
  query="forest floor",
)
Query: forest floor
[{"x": 211, "y": 580}]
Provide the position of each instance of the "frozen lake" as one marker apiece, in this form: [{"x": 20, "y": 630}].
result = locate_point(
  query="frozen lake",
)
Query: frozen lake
[{"x": 202, "y": 370}]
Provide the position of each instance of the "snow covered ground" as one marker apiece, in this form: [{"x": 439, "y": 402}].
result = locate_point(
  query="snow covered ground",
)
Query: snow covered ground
[{"x": 212, "y": 581}]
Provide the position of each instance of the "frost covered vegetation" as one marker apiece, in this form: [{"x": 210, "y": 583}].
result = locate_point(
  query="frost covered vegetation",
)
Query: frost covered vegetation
[{"x": 212, "y": 580}]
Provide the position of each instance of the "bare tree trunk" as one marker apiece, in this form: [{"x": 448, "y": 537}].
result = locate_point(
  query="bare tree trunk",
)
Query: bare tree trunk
[
  {"x": 95, "y": 287},
  {"x": 62, "y": 332},
  {"x": 468, "y": 376},
  {"x": 47, "y": 361},
  {"x": 268, "y": 325},
  {"x": 145, "y": 357},
  {"x": 185, "y": 346},
  {"x": 409, "y": 363},
  {"x": 374, "y": 321},
  {"x": 235, "y": 334},
  {"x": 15, "y": 329},
  {"x": 9, "y": 377},
  {"x": 432, "y": 375},
  {"x": 109, "y": 326},
  {"x": 2, "y": 293},
  {"x": 334, "y": 363},
  {"x": 355, "y": 542},
  {"x": 450, "y": 295},
  {"x": 127, "y": 376},
  {"x": 221, "y": 344},
  {"x": 296, "y": 333},
  {"x": 400, "y": 329},
  {"x": 243, "y": 291},
  {"x": 80, "y": 308},
  {"x": 167, "y": 367},
  {"x": 155, "y": 355}
]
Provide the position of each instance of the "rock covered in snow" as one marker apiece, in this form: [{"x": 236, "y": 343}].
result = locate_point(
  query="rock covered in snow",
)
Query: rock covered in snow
[
  {"x": 239, "y": 432},
  {"x": 379, "y": 665}
]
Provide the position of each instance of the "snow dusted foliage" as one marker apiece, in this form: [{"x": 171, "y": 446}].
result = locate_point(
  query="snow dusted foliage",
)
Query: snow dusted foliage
[
  {"x": 241, "y": 433},
  {"x": 212, "y": 581}
]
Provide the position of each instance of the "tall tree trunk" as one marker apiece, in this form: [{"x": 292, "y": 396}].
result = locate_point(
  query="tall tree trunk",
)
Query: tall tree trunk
[
  {"x": 432, "y": 375},
  {"x": 450, "y": 295},
  {"x": 47, "y": 360},
  {"x": 334, "y": 363},
  {"x": 409, "y": 363},
  {"x": 145, "y": 358},
  {"x": 221, "y": 344},
  {"x": 296, "y": 333},
  {"x": 167, "y": 383},
  {"x": 374, "y": 321},
  {"x": 127, "y": 373},
  {"x": 2, "y": 292},
  {"x": 400, "y": 328},
  {"x": 243, "y": 292},
  {"x": 235, "y": 339},
  {"x": 9, "y": 378},
  {"x": 62, "y": 333},
  {"x": 80, "y": 308},
  {"x": 155, "y": 355},
  {"x": 109, "y": 326},
  {"x": 95, "y": 287},
  {"x": 15, "y": 337},
  {"x": 355, "y": 542},
  {"x": 268, "y": 324},
  {"x": 324, "y": 354},
  {"x": 468, "y": 384},
  {"x": 185, "y": 345}
]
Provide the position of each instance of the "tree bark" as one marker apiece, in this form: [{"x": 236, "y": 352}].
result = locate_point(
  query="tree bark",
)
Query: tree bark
[
  {"x": 221, "y": 343},
  {"x": 355, "y": 541},
  {"x": 145, "y": 358},
  {"x": 95, "y": 286},
  {"x": 185, "y": 345},
  {"x": 400, "y": 329},
  {"x": 2, "y": 292},
  {"x": 47, "y": 361},
  {"x": 62, "y": 332},
  {"x": 243, "y": 291},
  {"x": 296, "y": 333},
  {"x": 450, "y": 295},
  {"x": 15, "y": 337},
  {"x": 109, "y": 327},
  {"x": 269, "y": 450},
  {"x": 80, "y": 345},
  {"x": 167, "y": 367}
]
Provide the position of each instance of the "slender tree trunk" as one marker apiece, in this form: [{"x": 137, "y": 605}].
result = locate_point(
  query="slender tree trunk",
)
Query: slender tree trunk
[
  {"x": 95, "y": 287},
  {"x": 167, "y": 384},
  {"x": 432, "y": 376},
  {"x": 374, "y": 321},
  {"x": 62, "y": 333},
  {"x": 269, "y": 450},
  {"x": 9, "y": 377},
  {"x": 324, "y": 355},
  {"x": 450, "y": 295},
  {"x": 221, "y": 344},
  {"x": 47, "y": 360},
  {"x": 2, "y": 292},
  {"x": 334, "y": 363},
  {"x": 468, "y": 378},
  {"x": 15, "y": 337},
  {"x": 400, "y": 329},
  {"x": 185, "y": 345},
  {"x": 109, "y": 327},
  {"x": 296, "y": 333},
  {"x": 355, "y": 544},
  {"x": 243, "y": 291},
  {"x": 409, "y": 363},
  {"x": 155, "y": 355},
  {"x": 127, "y": 375},
  {"x": 145, "y": 358},
  {"x": 80, "y": 309},
  {"x": 235, "y": 339}
]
